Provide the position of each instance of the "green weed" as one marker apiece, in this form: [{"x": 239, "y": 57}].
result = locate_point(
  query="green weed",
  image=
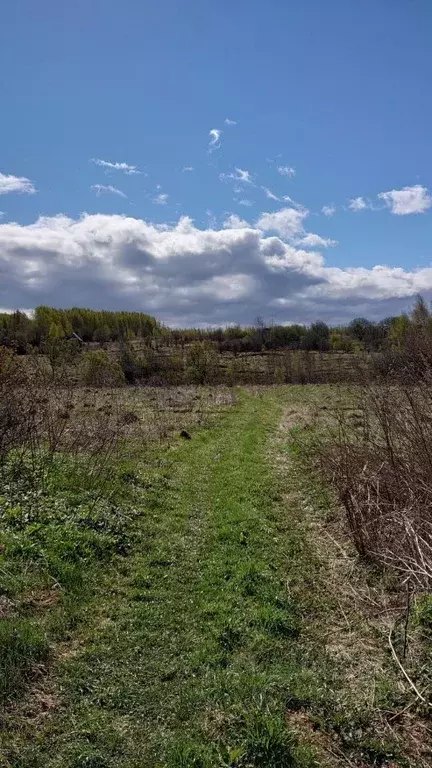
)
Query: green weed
[{"x": 22, "y": 646}]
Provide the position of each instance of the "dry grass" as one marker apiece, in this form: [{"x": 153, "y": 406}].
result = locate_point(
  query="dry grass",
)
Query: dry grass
[
  {"x": 44, "y": 414},
  {"x": 381, "y": 463},
  {"x": 363, "y": 608},
  {"x": 151, "y": 414}
]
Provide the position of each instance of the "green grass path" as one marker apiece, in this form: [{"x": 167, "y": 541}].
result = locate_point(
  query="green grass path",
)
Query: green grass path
[{"x": 192, "y": 646}]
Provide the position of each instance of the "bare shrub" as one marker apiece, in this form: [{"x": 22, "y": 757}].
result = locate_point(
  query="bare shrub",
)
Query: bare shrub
[
  {"x": 98, "y": 370},
  {"x": 44, "y": 421},
  {"x": 202, "y": 362},
  {"x": 381, "y": 464}
]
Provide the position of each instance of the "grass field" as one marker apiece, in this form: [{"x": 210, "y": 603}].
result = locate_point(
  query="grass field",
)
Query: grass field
[{"x": 200, "y": 603}]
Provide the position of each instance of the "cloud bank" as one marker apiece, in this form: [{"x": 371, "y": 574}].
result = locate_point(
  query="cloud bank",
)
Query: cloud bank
[{"x": 188, "y": 276}]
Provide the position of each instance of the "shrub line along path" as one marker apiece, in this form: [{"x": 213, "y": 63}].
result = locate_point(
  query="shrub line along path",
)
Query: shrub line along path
[{"x": 195, "y": 648}]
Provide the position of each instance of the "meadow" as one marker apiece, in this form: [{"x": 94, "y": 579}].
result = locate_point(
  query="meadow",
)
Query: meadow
[
  {"x": 214, "y": 557},
  {"x": 181, "y": 582}
]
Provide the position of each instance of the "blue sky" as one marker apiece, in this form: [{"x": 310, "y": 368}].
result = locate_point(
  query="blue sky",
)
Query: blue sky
[{"x": 336, "y": 93}]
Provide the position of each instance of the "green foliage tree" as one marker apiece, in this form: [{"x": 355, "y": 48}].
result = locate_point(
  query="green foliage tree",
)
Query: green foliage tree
[
  {"x": 399, "y": 331},
  {"x": 317, "y": 337},
  {"x": 61, "y": 353},
  {"x": 102, "y": 334},
  {"x": 359, "y": 328},
  {"x": 55, "y": 331},
  {"x": 341, "y": 342}
]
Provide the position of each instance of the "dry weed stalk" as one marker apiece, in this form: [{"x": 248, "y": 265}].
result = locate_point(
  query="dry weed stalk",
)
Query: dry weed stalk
[
  {"x": 42, "y": 420},
  {"x": 381, "y": 464}
]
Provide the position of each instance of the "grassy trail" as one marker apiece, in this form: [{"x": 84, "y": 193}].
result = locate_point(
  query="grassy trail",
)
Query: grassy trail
[
  {"x": 223, "y": 632},
  {"x": 185, "y": 656}
]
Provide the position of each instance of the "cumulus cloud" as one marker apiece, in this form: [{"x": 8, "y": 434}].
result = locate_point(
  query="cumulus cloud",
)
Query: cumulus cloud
[
  {"x": 9, "y": 183},
  {"x": 270, "y": 194},
  {"x": 310, "y": 240},
  {"x": 188, "y": 275},
  {"x": 328, "y": 210},
  {"x": 187, "y": 168},
  {"x": 245, "y": 201},
  {"x": 286, "y": 170},
  {"x": 408, "y": 200},
  {"x": 287, "y": 222},
  {"x": 214, "y": 142},
  {"x": 101, "y": 189},
  {"x": 235, "y": 222},
  {"x": 227, "y": 121},
  {"x": 358, "y": 204},
  {"x": 161, "y": 198},
  {"x": 124, "y": 167}
]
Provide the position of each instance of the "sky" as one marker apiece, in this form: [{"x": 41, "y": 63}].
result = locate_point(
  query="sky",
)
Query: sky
[{"x": 211, "y": 162}]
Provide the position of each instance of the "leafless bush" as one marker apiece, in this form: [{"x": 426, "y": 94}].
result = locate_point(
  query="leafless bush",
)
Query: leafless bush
[
  {"x": 381, "y": 464},
  {"x": 42, "y": 420}
]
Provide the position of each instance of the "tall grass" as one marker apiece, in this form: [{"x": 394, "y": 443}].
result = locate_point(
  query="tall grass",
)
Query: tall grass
[
  {"x": 42, "y": 421},
  {"x": 381, "y": 463}
]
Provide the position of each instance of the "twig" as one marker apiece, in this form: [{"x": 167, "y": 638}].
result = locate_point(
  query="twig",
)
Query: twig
[
  {"x": 407, "y": 677},
  {"x": 402, "y": 712},
  {"x": 407, "y": 617},
  {"x": 336, "y": 543},
  {"x": 339, "y": 753}
]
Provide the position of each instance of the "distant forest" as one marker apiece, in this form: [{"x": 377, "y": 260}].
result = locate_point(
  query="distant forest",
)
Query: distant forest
[{"x": 26, "y": 334}]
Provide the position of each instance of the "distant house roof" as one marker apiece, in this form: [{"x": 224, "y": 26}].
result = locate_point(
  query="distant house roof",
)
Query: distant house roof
[{"x": 74, "y": 337}]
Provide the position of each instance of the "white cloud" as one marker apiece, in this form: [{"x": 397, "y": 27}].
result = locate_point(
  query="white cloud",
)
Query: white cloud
[
  {"x": 212, "y": 221},
  {"x": 235, "y": 222},
  {"x": 9, "y": 183},
  {"x": 310, "y": 240},
  {"x": 161, "y": 199},
  {"x": 2, "y": 213},
  {"x": 408, "y": 200},
  {"x": 240, "y": 176},
  {"x": 188, "y": 275},
  {"x": 286, "y": 170},
  {"x": 288, "y": 222},
  {"x": 289, "y": 199},
  {"x": 187, "y": 168},
  {"x": 244, "y": 201},
  {"x": 328, "y": 210},
  {"x": 358, "y": 204},
  {"x": 102, "y": 188},
  {"x": 124, "y": 167},
  {"x": 270, "y": 194},
  {"x": 214, "y": 142},
  {"x": 243, "y": 176},
  {"x": 227, "y": 121}
]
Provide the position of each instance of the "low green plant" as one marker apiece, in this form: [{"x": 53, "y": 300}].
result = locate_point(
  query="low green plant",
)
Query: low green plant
[{"x": 22, "y": 646}]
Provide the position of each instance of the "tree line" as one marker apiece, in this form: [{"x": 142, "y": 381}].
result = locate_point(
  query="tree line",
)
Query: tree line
[{"x": 24, "y": 334}]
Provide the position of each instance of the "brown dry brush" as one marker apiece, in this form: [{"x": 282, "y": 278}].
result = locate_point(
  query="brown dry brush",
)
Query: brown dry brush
[
  {"x": 43, "y": 420},
  {"x": 381, "y": 464}
]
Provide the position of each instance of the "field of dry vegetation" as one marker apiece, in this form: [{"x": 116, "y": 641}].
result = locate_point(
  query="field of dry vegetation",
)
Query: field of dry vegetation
[{"x": 217, "y": 575}]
